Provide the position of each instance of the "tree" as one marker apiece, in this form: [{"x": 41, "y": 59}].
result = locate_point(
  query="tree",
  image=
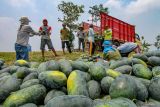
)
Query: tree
[
  {"x": 157, "y": 43},
  {"x": 145, "y": 45},
  {"x": 95, "y": 12},
  {"x": 71, "y": 14}
]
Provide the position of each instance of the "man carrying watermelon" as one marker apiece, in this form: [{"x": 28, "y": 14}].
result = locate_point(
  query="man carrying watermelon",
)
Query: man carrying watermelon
[
  {"x": 128, "y": 48},
  {"x": 65, "y": 38},
  {"x": 45, "y": 32},
  {"x": 24, "y": 32},
  {"x": 109, "y": 52}
]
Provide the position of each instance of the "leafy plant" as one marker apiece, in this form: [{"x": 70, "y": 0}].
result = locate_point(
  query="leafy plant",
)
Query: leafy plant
[{"x": 95, "y": 12}]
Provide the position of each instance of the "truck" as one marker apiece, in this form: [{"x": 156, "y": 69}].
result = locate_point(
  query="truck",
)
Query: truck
[{"x": 121, "y": 31}]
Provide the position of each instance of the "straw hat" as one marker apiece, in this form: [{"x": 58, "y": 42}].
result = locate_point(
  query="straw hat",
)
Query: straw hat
[{"x": 24, "y": 18}]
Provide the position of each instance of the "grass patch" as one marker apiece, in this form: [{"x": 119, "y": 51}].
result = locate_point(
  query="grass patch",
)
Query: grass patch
[{"x": 10, "y": 57}]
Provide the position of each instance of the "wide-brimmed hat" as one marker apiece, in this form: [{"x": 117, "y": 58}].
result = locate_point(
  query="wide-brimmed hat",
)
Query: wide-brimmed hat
[{"x": 24, "y": 18}]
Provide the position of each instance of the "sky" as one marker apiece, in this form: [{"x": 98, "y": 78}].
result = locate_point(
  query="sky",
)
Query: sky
[{"x": 144, "y": 14}]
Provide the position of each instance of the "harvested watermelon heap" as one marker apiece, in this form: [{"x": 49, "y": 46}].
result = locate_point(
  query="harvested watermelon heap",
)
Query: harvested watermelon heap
[{"x": 133, "y": 82}]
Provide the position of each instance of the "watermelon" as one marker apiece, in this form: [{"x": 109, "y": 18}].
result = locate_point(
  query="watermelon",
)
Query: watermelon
[
  {"x": 153, "y": 53},
  {"x": 155, "y": 61},
  {"x": 64, "y": 89},
  {"x": 2, "y": 60},
  {"x": 31, "y": 76},
  {"x": 118, "y": 102},
  {"x": 112, "y": 73},
  {"x": 77, "y": 84},
  {"x": 1, "y": 63},
  {"x": 13, "y": 69},
  {"x": 106, "y": 83},
  {"x": 156, "y": 70},
  {"x": 141, "y": 89},
  {"x": 29, "y": 83},
  {"x": 65, "y": 66},
  {"x": 8, "y": 84},
  {"x": 33, "y": 94},
  {"x": 120, "y": 63},
  {"x": 106, "y": 98},
  {"x": 53, "y": 79},
  {"x": 7, "y": 69},
  {"x": 94, "y": 89},
  {"x": 70, "y": 101},
  {"x": 149, "y": 103},
  {"x": 102, "y": 62},
  {"x": 22, "y": 63},
  {"x": 4, "y": 74},
  {"x": 21, "y": 73},
  {"x": 34, "y": 64},
  {"x": 100, "y": 103},
  {"x": 48, "y": 66},
  {"x": 154, "y": 88},
  {"x": 52, "y": 94},
  {"x": 125, "y": 69},
  {"x": 123, "y": 86},
  {"x": 29, "y": 105},
  {"x": 79, "y": 65},
  {"x": 142, "y": 71},
  {"x": 121, "y": 102},
  {"x": 145, "y": 82},
  {"x": 97, "y": 72},
  {"x": 138, "y": 61},
  {"x": 142, "y": 57}
]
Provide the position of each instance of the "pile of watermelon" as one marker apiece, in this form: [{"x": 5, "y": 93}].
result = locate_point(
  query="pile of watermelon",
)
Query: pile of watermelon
[{"x": 129, "y": 82}]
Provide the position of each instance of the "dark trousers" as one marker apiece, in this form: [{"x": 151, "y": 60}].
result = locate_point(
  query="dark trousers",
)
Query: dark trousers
[
  {"x": 81, "y": 41},
  {"x": 21, "y": 52},
  {"x": 66, "y": 43},
  {"x": 91, "y": 48}
]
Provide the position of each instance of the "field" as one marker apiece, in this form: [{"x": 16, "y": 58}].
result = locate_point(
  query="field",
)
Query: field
[{"x": 10, "y": 57}]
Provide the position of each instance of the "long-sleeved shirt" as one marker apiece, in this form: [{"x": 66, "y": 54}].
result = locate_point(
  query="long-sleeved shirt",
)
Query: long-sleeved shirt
[
  {"x": 64, "y": 34},
  {"x": 91, "y": 35},
  {"x": 23, "y": 35},
  {"x": 81, "y": 34}
]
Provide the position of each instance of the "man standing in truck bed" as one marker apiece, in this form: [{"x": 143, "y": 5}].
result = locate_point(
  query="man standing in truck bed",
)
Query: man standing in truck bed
[{"x": 107, "y": 34}]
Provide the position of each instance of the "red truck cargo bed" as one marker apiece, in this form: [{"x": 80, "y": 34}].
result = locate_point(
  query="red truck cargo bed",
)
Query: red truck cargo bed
[{"x": 121, "y": 30}]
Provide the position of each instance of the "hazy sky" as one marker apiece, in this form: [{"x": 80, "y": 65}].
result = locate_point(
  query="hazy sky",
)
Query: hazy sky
[{"x": 144, "y": 14}]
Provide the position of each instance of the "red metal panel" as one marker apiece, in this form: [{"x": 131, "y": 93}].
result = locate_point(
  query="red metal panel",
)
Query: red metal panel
[
  {"x": 121, "y": 30},
  {"x": 96, "y": 28}
]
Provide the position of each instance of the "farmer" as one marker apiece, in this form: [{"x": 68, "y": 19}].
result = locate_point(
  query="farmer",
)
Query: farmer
[
  {"x": 24, "y": 32},
  {"x": 109, "y": 52},
  {"x": 45, "y": 31},
  {"x": 128, "y": 48},
  {"x": 81, "y": 37},
  {"x": 91, "y": 35},
  {"x": 65, "y": 38},
  {"x": 107, "y": 34}
]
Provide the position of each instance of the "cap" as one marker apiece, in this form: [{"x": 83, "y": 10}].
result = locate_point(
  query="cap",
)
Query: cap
[{"x": 45, "y": 20}]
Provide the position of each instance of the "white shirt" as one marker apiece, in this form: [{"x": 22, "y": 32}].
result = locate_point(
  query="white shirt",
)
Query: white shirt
[{"x": 91, "y": 35}]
